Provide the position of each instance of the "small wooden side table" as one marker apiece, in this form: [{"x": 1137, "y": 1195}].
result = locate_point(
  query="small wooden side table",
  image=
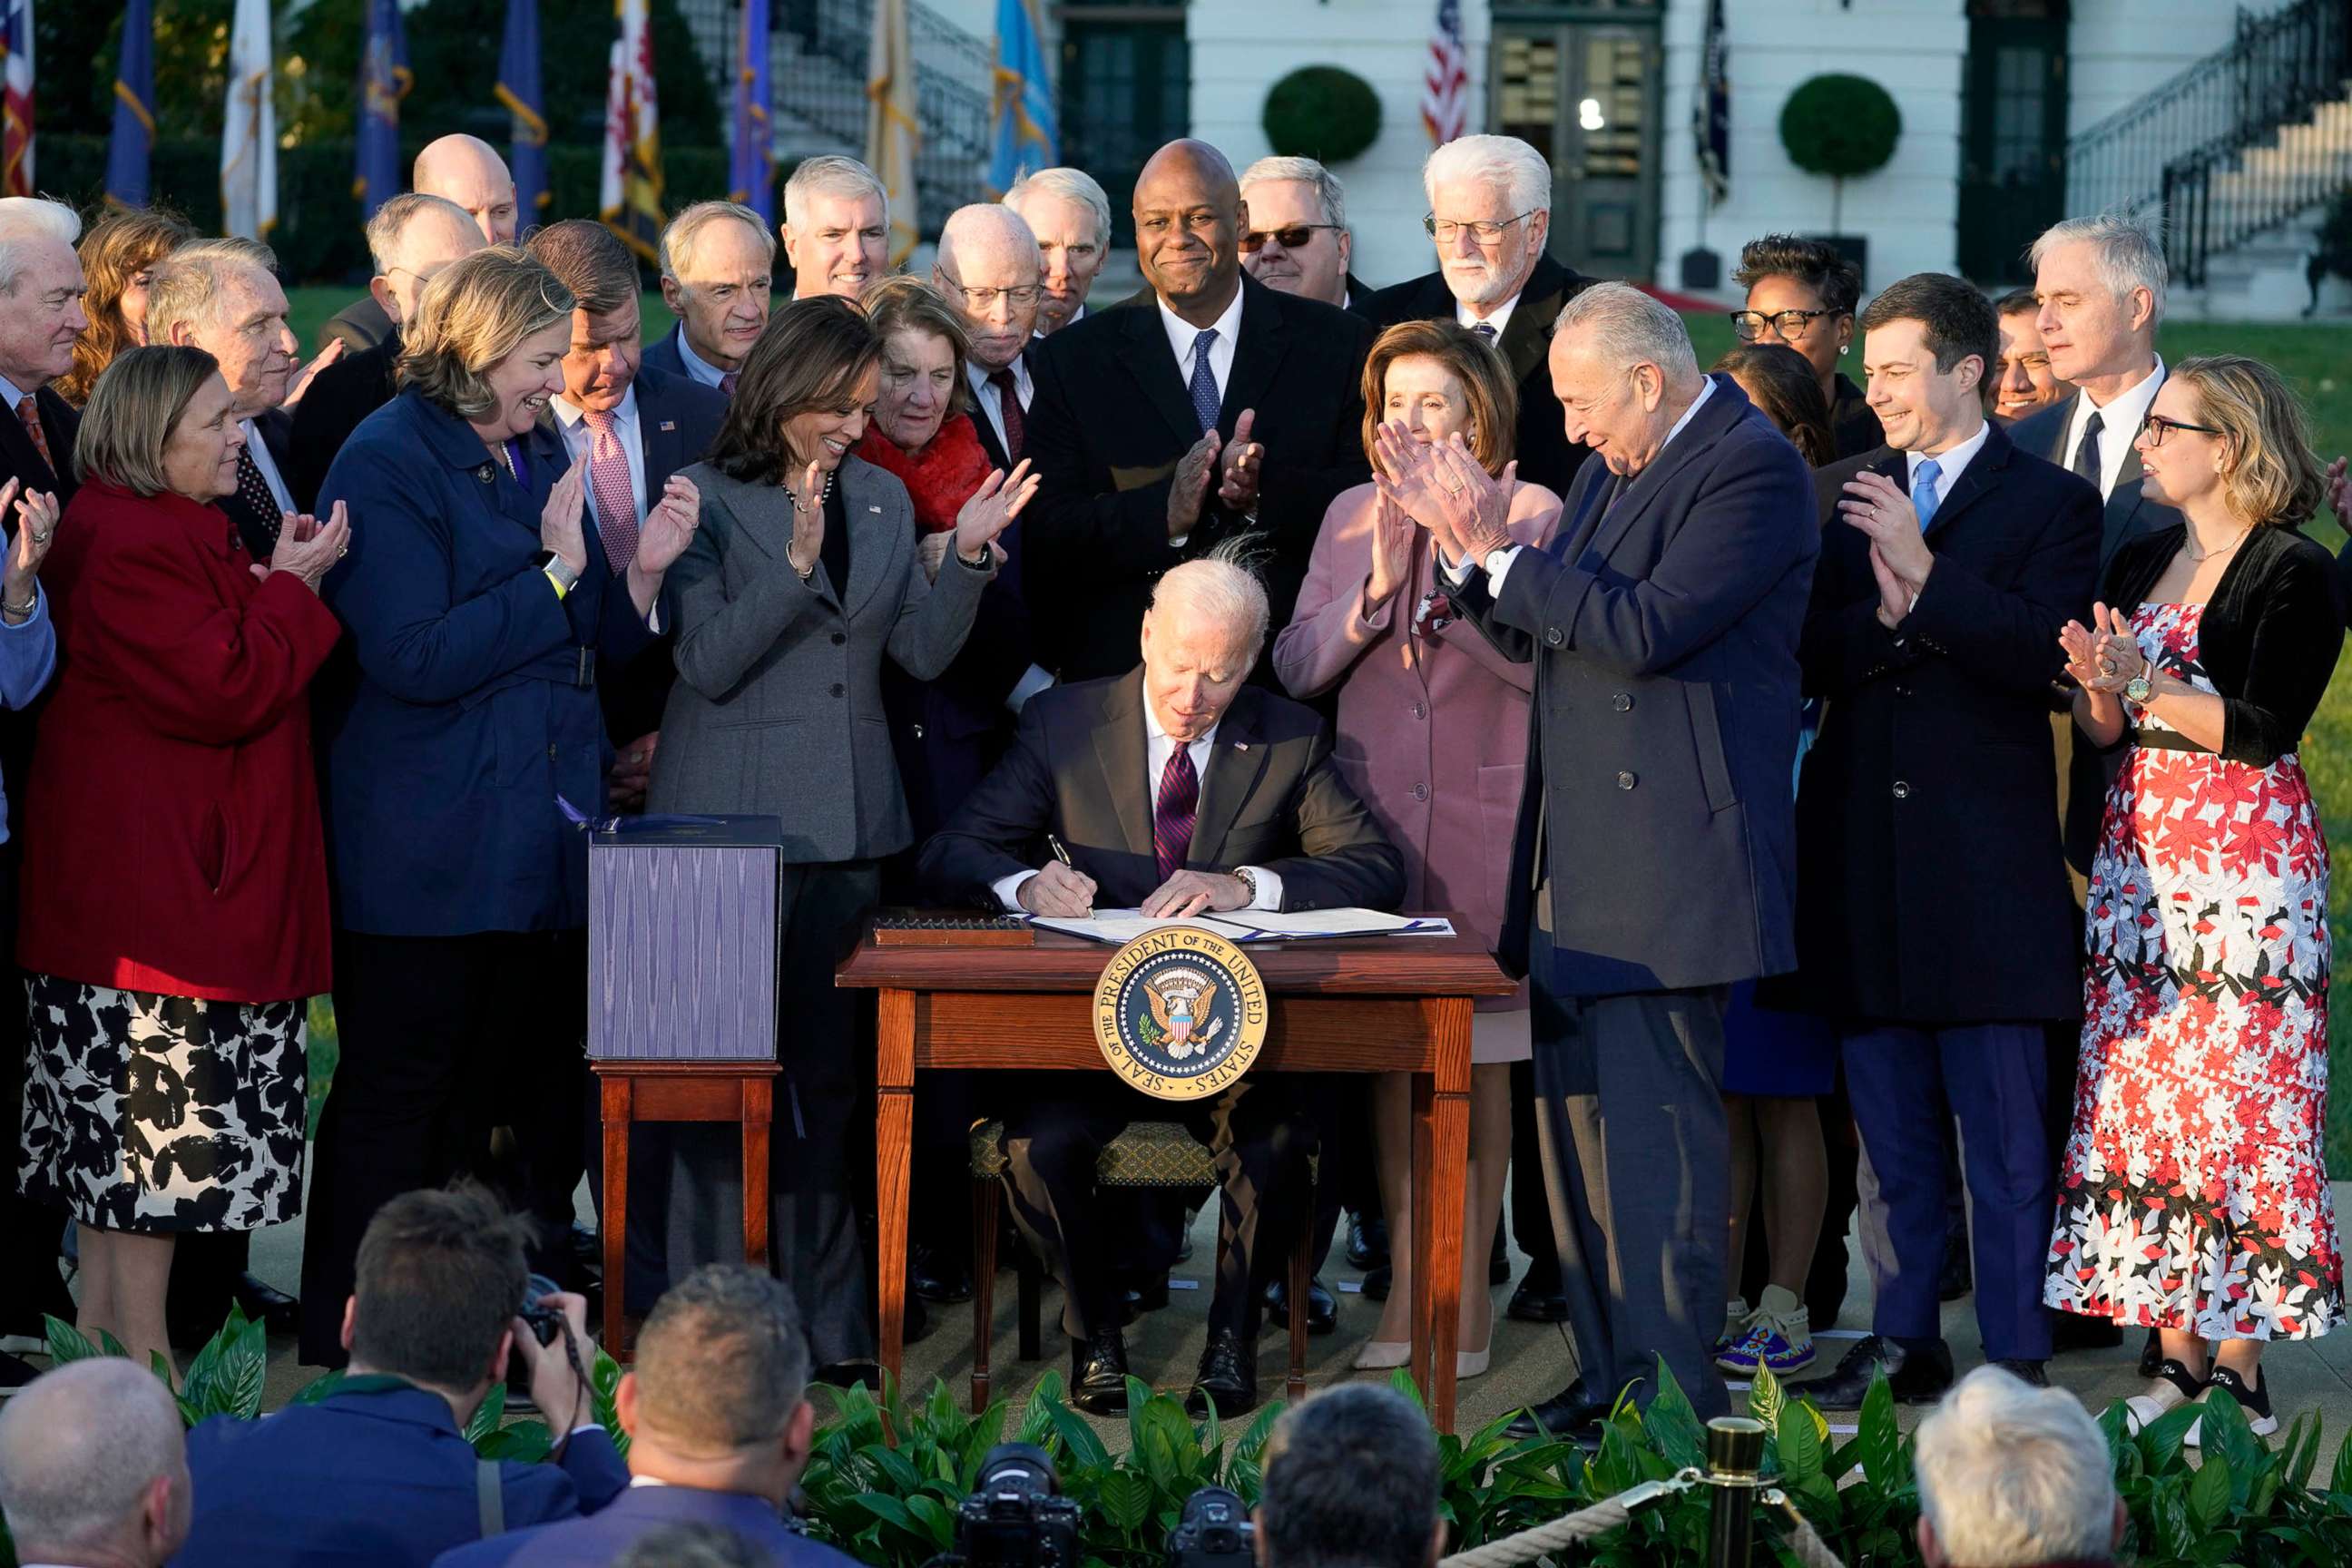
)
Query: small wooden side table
[{"x": 743, "y": 1092}]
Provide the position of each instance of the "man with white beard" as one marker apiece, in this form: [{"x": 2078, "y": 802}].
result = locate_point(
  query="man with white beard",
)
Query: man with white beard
[{"x": 1490, "y": 213}]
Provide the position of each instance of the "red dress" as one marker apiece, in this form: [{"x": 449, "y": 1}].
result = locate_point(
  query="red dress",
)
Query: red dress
[{"x": 2194, "y": 1195}]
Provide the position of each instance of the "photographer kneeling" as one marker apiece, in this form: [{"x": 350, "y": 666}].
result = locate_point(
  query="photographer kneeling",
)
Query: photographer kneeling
[
  {"x": 1350, "y": 1482},
  {"x": 719, "y": 1429},
  {"x": 379, "y": 1471}
]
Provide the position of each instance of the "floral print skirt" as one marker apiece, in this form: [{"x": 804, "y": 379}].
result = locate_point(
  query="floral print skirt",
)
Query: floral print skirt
[
  {"x": 2193, "y": 1194},
  {"x": 164, "y": 1114}
]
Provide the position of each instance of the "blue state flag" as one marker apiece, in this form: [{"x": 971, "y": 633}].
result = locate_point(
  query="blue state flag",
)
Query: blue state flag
[
  {"x": 752, "y": 175},
  {"x": 518, "y": 89},
  {"x": 128, "y": 150},
  {"x": 383, "y": 81},
  {"x": 1022, "y": 137}
]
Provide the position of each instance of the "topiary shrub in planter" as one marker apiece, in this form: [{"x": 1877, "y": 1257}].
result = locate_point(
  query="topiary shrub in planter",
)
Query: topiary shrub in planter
[
  {"x": 1321, "y": 113},
  {"x": 1841, "y": 126}
]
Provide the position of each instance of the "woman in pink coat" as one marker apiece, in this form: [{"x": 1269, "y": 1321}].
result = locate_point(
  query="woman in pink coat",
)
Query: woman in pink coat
[{"x": 1433, "y": 735}]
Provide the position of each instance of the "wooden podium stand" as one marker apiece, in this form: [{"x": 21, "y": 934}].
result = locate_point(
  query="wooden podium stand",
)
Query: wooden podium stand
[{"x": 1367, "y": 1004}]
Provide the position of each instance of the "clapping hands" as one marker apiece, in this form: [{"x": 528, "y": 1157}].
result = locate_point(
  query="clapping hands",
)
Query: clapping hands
[
  {"x": 36, "y": 523},
  {"x": 1443, "y": 488},
  {"x": 669, "y": 526},
  {"x": 991, "y": 507},
  {"x": 307, "y": 548}
]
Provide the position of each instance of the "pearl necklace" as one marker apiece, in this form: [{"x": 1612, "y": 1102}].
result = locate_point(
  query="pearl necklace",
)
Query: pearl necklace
[{"x": 822, "y": 496}]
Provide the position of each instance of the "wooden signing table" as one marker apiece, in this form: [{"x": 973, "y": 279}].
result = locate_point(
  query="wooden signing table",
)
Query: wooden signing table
[{"x": 1366, "y": 1004}]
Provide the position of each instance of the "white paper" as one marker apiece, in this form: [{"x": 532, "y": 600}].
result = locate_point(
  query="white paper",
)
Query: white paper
[
  {"x": 1304, "y": 925},
  {"x": 1116, "y": 926}
]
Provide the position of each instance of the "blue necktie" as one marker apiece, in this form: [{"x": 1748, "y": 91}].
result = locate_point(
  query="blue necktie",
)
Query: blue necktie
[
  {"x": 1923, "y": 490},
  {"x": 1205, "y": 381}
]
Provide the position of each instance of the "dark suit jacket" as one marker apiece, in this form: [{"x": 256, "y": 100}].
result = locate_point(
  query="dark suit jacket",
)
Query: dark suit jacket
[
  {"x": 383, "y": 1479},
  {"x": 1854, "y": 429},
  {"x": 256, "y": 526},
  {"x": 1269, "y": 797},
  {"x": 362, "y": 324},
  {"x": 1110, "y": 420},
  {"x": 663, "y": 357},
  {"x": 1545, "y": 456},
  {"x": 339, "y": 397},
  {"x": 1664, "y": 629},
  {"x": 599, "y": 1537},
  {"x": 677, "y": 418},
  {"x": 2129, "y": 515},
  {"x": 988, "y": 444},
  {"x": 1934, "y": 889}
]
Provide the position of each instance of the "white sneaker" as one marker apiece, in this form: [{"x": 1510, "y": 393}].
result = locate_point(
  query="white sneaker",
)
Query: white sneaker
[{"x": 2174, "y": 1387}]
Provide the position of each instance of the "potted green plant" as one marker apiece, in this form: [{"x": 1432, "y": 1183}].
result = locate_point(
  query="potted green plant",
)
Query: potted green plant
[
  {"x": 1842, "y": 127},
  {"x": 1321, "y": 113}
]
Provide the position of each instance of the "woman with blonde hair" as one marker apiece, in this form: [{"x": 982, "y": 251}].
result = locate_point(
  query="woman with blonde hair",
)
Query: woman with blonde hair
[
  {"x": 1432, "y": 735},
  {"x": 2194, "y": 1197},
  {"x": 119, "y": 253},
  {"x": 481, "y": 609}
]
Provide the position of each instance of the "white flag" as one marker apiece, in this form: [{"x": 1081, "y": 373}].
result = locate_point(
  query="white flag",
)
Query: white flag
[
  {"x": 892, "y": 132},
  {"x": 249, "y": 129},
  {"x": 630, "y": 200}
]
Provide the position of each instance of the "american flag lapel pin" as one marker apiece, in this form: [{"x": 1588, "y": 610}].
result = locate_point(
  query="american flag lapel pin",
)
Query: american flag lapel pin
[
  {"x": 873, "y": 508},
  {"x": 667, "y": 426},
  {"x": 1240, "y": 745}
]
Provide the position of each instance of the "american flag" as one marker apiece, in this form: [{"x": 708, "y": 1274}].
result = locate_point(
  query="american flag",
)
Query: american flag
[
  {"x": 16, "y": 52},
  {"x": 1445, "y": 90}
]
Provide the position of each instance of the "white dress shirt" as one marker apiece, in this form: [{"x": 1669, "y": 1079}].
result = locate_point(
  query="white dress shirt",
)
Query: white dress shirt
[
  {"x": 1181, "y": 334},
  {"x": 991, "y": 403},
  {"x": 696, "y": 366},
  {"x": 1498, "y": 561},
  {"x": 1157, "y": 747},
  {"x": 580, "y": 442},
  {"x": 1949, "y": 464},
  {"x": 2119, "y": 424},
  {"x": 279, "y": 494},
  {"x": 1498, "y": 318}
]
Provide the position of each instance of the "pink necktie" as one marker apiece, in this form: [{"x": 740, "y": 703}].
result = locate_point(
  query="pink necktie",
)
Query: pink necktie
[
  {"x": 727, "y": 383},
  {"x": 608, "y": 476}
]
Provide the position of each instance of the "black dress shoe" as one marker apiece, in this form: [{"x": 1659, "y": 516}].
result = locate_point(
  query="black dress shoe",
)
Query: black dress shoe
[
  {"x": 1368, "y": 1241},
  {"x": 1322, "y": 1307},
  {"x": 1099, "y": 1373},
  {"x": 2151, "y": 1355},
  {"x": 1918, "y": 1373},
  {"x": 1956, "y": 1280},
  {"x": 1532, "y": 1304},
  {"x": 938, "y": 1276},
  {"x": 266, "y": 1304},
  {"x": 1228, "y": 1375},
  {"x": 1378, "y": 1283},
  {"x": 1498, "y": 1263},
  {"x": 2073, "y": 1331},
  {"x": 847, "y": 1375},
  {"x": 1574, "y": 1415},
  {"x": 2034, "y": 1374},
  {"x": 916, "y": 1325}
]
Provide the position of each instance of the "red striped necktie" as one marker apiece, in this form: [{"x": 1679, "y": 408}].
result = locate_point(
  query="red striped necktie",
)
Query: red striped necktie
[{"x": 1172, "y": 819}]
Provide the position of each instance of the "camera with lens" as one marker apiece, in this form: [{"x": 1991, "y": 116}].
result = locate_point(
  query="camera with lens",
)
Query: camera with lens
[
  {"x": 1214, "y": 1531},
  {"x": 1015, "y": 1516},
  {"x": 545, "y": 1323}
]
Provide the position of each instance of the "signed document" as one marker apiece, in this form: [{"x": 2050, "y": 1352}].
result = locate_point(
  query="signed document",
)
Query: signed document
[{"x": 1118, "y": 926}]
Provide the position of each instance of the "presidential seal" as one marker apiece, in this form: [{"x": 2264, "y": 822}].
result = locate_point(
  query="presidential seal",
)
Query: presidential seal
[{"x": 1180, "y": 1013}]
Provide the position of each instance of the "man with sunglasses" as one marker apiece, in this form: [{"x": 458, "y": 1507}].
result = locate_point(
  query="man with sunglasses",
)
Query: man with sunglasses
[
  {"x": 1297, "y": 239},
  {"x": 1490, "y": 215}
]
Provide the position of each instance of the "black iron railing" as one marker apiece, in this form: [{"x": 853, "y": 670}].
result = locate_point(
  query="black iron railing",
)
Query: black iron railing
[
  {"x": 953, "y": 75},
  {"x": 2182, "y": 149}
]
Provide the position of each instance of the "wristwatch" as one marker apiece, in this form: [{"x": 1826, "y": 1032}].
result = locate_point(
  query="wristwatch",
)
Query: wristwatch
[
  {"x": 2136, "y": 690},
  {"x": 564, "y": 578},
  {"x": 1249, "y": 881}
]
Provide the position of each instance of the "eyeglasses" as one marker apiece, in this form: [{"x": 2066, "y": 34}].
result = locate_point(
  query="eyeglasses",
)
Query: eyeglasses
[
  {"x": 2156, "y": 427},
  {"x": 1297, "y": 236},
  {"x": 1445, "y": 230},
  {"x": 982, "y": 300},
  {"x": 1749, "y": 325}
]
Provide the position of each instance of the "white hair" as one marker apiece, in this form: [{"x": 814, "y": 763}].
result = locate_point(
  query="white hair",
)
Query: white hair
[
  {"x": 1070, "y": 186},
  {"x": 79, "y": 1445},
  {"x": 1519, "y": 168},
  {"x": 975, "y": 226},
  {"x": 2130, "y": 250},
  {"x": 680, "y": 235},
  {"x": 33, "y": 219},
  {"x": 188, "y": 283},
  {"x": 1221, "y": 588},
  {"x": 393, "y": 218},
  {"x": 1630, "y": 327},
  {"x": 2011, "y": 1474},
  {"x": 1307, "y": 171},
  {"x": 831, "y": 174}
]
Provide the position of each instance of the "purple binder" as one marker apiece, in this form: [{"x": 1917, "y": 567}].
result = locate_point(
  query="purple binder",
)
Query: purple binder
[{"x": 683, "y": 939}]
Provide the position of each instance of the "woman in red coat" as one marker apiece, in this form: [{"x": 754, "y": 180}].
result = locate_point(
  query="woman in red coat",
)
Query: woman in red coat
[{"x": 174, "y": 915}]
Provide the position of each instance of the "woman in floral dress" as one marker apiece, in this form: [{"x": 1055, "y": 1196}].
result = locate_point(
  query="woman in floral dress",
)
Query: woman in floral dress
[{"x": 2194, "y": 1200}]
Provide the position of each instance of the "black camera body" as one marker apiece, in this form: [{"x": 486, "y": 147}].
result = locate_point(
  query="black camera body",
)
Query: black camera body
[
  {"x": 546, "y": 1323},
  {"x": 1016, "y": 1516},
  {"x": 1214, "y": 1531}
]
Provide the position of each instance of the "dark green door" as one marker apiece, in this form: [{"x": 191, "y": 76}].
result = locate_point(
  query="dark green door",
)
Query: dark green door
[
  {"x": 2014, "y": 135},
  {"x": 1127, "y": 86}
]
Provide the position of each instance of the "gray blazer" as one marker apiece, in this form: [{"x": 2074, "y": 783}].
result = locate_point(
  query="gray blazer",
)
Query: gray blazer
[{"x": 778, "y": 705}]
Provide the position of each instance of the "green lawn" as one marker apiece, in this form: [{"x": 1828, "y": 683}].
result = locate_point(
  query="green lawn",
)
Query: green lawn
[{"x": 2316, "y": 359}]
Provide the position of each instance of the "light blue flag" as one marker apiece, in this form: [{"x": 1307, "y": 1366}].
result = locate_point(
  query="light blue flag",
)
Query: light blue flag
[{"x": 1023, "y": 138}]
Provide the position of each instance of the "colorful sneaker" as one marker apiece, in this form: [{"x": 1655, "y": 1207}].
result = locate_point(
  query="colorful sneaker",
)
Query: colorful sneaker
[
  {"x": 2173, "y": 1387},
  {"x": 1781, "y": 1344},
  {"x": 2255, "y": 1402},
  {"x": 1735, "y": 1324}
]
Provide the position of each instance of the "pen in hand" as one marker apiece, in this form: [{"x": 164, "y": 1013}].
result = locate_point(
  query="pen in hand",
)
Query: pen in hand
[{"x": 1078, "y": 879}]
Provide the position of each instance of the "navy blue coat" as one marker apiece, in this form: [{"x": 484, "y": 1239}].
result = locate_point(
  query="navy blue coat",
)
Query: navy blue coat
[
  {"x": 381, "y": 1480},
  {"x": 474, "y": 702},
  {"x": 1662, "y": 756},
  {"x": 597, "y": 1540},
  {"x": 1935, "y": 890}
]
